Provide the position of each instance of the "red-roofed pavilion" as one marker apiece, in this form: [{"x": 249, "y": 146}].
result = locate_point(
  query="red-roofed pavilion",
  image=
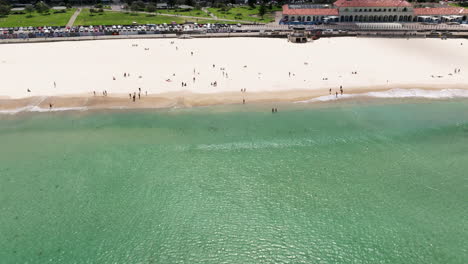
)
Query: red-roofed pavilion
[{"x": 369, "y": 11}]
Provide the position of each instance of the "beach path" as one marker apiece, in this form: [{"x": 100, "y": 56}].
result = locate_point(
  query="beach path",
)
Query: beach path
[
  {"x": 204, "y": 9},
  {"x": 73, "y": 17}
]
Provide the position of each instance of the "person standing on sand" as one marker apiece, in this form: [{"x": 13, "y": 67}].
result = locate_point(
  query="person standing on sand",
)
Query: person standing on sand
[
  {"x": 330, "y": 91},
  {"x": 94, "y": 92},
  {"x": 133, "y": 97},
  {"x": 50, "y": 105},
  {"x": 336, "y": 94},
  {"x": 130, "y": 95},
  {"x": 243, "y": 101},
  {"x": 139, "y": 96},
  {"x": 341, "y": 89},
  {"x": 55, "y": 85}
]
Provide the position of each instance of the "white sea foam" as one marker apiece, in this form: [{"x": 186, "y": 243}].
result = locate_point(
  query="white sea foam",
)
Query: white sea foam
[
  {"x": 398, "y": 93},
  {"x": 34, "y": 108}
]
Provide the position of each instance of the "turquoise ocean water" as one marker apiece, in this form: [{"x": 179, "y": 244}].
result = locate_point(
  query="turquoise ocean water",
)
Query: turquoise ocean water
[{"x": 349, "y": 182}]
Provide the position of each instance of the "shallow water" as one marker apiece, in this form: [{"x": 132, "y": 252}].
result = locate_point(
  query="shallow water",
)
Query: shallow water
[{"x": 353, "y": 182}]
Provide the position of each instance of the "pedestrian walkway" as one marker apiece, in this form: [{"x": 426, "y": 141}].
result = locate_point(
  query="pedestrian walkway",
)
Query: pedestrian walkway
[
  {"x": 73, "y": 18},
  {"x": 204, "y": 9}
]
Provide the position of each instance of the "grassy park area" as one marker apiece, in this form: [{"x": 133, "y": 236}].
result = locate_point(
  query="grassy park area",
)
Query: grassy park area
[
  {"x": 459, "y": 5},
  {"x": 181, "y": 12},
  {"x": 36, "y": 19},
  {"x": 122, "y": 18},
  {"x": 245, "y": 13}
]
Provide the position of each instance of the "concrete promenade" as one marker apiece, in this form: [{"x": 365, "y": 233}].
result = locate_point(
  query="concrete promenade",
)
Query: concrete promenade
[{"x": 284, "y": 34}]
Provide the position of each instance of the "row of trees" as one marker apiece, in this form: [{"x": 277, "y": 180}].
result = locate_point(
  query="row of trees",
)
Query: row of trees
[{"x": 40, "y": 7}]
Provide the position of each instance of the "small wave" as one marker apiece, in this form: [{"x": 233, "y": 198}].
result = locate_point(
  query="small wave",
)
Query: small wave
[
  {"x": 398, "y": 93},
  {"x": 33, "y": 108}
]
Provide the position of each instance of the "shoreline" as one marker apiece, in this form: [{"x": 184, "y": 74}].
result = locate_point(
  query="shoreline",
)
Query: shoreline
[
  {"x": 189, "y": 100},
  {"x": 201, "y": 72}
]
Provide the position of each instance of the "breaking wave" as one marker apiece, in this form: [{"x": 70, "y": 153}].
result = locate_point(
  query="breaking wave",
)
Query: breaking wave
[
  {"x": 41, "y": 110},
  {"x": 398, "y": 93}
]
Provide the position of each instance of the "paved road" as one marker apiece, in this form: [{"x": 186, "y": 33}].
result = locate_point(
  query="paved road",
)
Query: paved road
[{"x": 73, "y": 17}]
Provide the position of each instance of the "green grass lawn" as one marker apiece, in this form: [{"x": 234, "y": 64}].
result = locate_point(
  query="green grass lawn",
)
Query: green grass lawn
[
  {"x": 244, "y": 13},
  {"x": 122, "y": 18},
  {"x": 195, "y": 13},
  {"x": 206, "y": 21},
  {"x": 36, "y": 19},
  {"x": 457, "y": 5}
]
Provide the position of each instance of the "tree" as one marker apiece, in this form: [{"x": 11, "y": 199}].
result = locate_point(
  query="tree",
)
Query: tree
[
  {"x": 262, "y": 10},
  {"x": 4, "y": 9},
  {"x": 141, "y": 5},
  {"x": 41, "y": 7},
  {"x": 29, "y": 9},
  {"x": 170, "y": 3},
  {"x": 251, "y": 3},
  {"x": 151, "y": 7},
  {"x": 134, "y": 7}
]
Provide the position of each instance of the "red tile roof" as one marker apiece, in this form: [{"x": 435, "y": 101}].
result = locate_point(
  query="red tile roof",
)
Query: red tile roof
[
  {"x": 440, "y": 11},
  {"x": 309, "y": 11},
  {"x": 372, "y": 3}
]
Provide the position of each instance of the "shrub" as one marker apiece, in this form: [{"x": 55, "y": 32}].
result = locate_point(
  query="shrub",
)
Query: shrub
[{"x": 41, "y": 7}]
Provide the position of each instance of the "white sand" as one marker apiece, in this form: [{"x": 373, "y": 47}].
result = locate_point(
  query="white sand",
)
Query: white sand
[{"x": 79, "y": 68}]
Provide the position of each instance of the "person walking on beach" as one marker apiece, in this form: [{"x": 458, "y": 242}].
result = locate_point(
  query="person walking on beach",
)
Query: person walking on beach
[
  {"x": 50, "y": 105},
  {"x": 133, "y": 97},
  {"x": 55, "y": 85},
  {"x": 330, "y": 90},
  {"x": 341, "y": 89},
  {"x": 139, "y": 96},
  {"x": 336, "y": 94},
  {"x": 130, "y": 95},
  {"x": 94, "y": 92}
]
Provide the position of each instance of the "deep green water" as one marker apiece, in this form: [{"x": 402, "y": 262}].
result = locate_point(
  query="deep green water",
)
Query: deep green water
[{"x": 344, "y": 183}]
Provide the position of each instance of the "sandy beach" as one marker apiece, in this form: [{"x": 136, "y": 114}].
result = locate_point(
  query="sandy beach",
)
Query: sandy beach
[{"x": 183, "y": 72}]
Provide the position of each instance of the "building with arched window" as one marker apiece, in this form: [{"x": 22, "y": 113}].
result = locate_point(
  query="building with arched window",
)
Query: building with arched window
[{"x": 369, "y": 11}]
